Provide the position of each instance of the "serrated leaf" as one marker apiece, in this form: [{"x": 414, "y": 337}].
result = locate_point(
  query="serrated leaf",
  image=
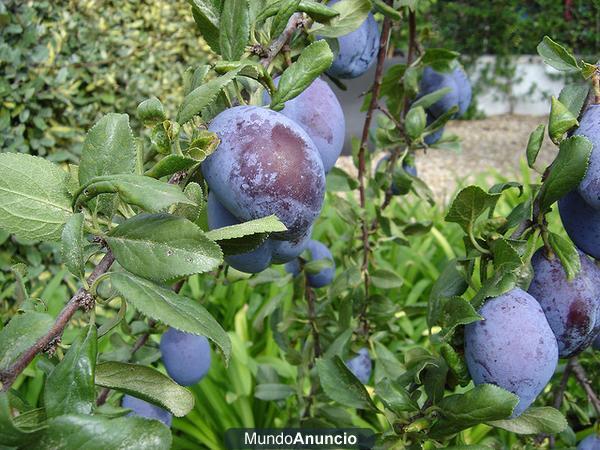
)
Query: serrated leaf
[
  {"x": 534, "y": 145},
  {"x": 169, "y": 165},
  {"x": 246, "y": 236},
  {"x": 450, "y": 283},
  {"x": 534, "y": 420},
  {"x": 342, "y": 386},
  {"x": 456, "y": 311},
  {"x": 193, "y": 191},
  {"x": 386, "y": 279},
  {"x": 170, "y": 308},
  {"x": 395, "y": 397},
  {"x": 285, "y": 11},
  {"x": 203, "y": 96},
  {"x": 557, "y": 56},
  {"x": 76, "y": 431},
  {"x": 206, "y": 15},
  {"x": 506, "y": 258},
  {"x": 70, "y": 386},
  {"x": 108, "y": 149},
  {"x": 147, "y": 193},
  {"x": 468, "y": 205},
  {"x": 560, "y": 121},
  {"x": 34, "y": 197},
  {"x": 234, "y": 28},
  {"x": 567, "y": 253},
  {"x": 567, "y": 170},
  {"x": 73, "y": 245},
  {"x": 483, "y": 403},
  {"x": 352, "y": 13},
  {"x": 315, "y": 10},
  {"x": 20, "y": 333},
  {"x": 312, "y": 62},
  {"x": 151, "y": 111},
  {"x": 162, "y": 247},
  {"x": 573, "y": 96},
  {"x": 146, "y": 383}
]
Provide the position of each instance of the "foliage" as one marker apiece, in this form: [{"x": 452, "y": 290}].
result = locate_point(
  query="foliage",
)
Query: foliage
[{"x": 409, "y": 276}]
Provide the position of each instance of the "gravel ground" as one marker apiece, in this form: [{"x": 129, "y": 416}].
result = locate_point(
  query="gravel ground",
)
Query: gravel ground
[{"x": 498, "y": 142}]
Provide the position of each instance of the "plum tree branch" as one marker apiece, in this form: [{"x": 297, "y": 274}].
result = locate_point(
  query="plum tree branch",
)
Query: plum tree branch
[
  {"x": 81, "y": 299},
  {"x": 296, "y": 21},
  {"x": 583, "y": 380},
  {"x": 381, "y": 55}
]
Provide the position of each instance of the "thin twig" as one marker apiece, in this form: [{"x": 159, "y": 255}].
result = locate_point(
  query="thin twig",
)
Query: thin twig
[
  {"x": 383, "y": 41},
  {"x": 583, "y": 380},
  {"x": 296, "y": 21},
  {"x": 81, "y": 299}
]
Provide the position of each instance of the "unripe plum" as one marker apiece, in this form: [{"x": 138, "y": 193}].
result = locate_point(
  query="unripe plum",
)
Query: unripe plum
[
  {"x": 186, "y": 356},
  {"x": 357, "y": 50},
  {"x": 318, "y": 111},
  {"x": 144, "y": 409},
  {"x": 589, "y": 126},
  {"x": 581, "y": 222},
  {"x": 253, "y": 261},
  {"x": 361, "y": 365},
  {"x": 457, "y": 81},
  {"x": 592, "y": 442},
  {"x": 265, "y": 164},
  {"x": 571, "y": 307},
  {"x": 512, "y": 347}
]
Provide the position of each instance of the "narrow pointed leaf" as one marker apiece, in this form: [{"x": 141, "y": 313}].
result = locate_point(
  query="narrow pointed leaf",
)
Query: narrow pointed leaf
[{"x": 73, "y": 245}]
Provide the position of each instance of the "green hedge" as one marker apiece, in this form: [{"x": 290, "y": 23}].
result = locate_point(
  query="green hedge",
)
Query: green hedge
[
  {"x": 504, "y": 27},
  {"x": 64, "y": 63}
]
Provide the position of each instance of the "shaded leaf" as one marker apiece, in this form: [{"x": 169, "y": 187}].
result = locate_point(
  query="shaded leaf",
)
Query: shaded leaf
[
  {"x": 534, "y": 145},
  {"x": 20, "y": 333},
  {"x": 234, "y": 28},
  {"x": 73, "y": 245},
  {"x": 534, "y": 420}
]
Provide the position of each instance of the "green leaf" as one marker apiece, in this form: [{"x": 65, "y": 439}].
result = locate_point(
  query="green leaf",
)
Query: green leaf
[
  {"x": 34, "y": 197},
  {"x": 236, "y": 239},
  {"x": 468, "y": 205},
  {"x": 73, "y": 245},
  {"x": 383, "y": 8},
  {"x": 534, "y": 145},
  {"x": 567, "y": 253},
  {"x": 440, "y": 59},
  {"x": 395, "y": 397},
  {"x": 170, "y": 308},
  {"x": 427, "y": 100},
  {"x": 567, "y": 170},
  {"x": 457, "y": 311},
  {"x": 70, "y": 386},
  {"x": 314, "y": 60},
  {"x": 169, "y": 165},
  {"x": 193, "y": 191},
  {"x": 147, "y": 193},
  {"x": 273, "y": 391},
  {"x": 534, "y": 420},
  {"x": 151, "y": 111},
  {"x": 146, "y": 383},
  {"x": 560, "y": 121},
  {"x": 203, "y": 96},
  {"x": 20, "y": 333},
  {"x": 483, "y": 403},
  {"x": 557, "y": 56},
  {"x": 161, "y": 247},
  {"x": 285, "y": 11},
  {"x": 342, "y": 386},
  {"x": 315, "y": 10},
  {"x": 573, "y": 97},
  {"x": 506, "y": 258},
  {"x": 10, "y": 433},
  {"x": 108, "y": 149},
  {"x": 234, "y": 27},
  {"x": 415, "y": 122},
  {"x": 352, "y": 13},
  {"x": 206, "y": 15},
  {"x": 450, "y": 283},
  {"x": 76, "y": 431},
  {"x": 386, "y": 279}
]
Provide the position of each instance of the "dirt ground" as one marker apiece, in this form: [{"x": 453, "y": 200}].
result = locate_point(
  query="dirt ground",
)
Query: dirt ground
[{"x": 497, "y": 142}]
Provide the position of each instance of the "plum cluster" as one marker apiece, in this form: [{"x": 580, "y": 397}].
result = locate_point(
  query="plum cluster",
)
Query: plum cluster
[{"x": 523, "y": 334}]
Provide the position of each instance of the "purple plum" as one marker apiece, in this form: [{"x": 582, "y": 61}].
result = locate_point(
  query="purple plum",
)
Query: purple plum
[
  {"x": 144, "y": 409},
  {"x": 592, "y": 442},
  {"x": 459, "y": 95},
  {"x": 317, "y": 251},
  {"x": 361, "y": 365},
  {"x": 357, "y": 50},
  {"x": 284, "y": 251},
  {"x": 596, "y": 343},
  {"x": 432, "y": 138},
  {"x": 571, "y": 307},
  {"x": 407, "y": 165},
  {"x": 186, "y": 356},
  {"x": 512, "y": 347},
  {"x": 318, "y": 111},
  {"x": 581, "y": 222},
  {"x": 589, "y": 126},
  {"x": 265, "y": 164}
]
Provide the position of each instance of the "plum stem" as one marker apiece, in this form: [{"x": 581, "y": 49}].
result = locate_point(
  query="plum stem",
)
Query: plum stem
[
  {"x": 381, "y": 55},
  {"x": 596, "y": 85}
]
